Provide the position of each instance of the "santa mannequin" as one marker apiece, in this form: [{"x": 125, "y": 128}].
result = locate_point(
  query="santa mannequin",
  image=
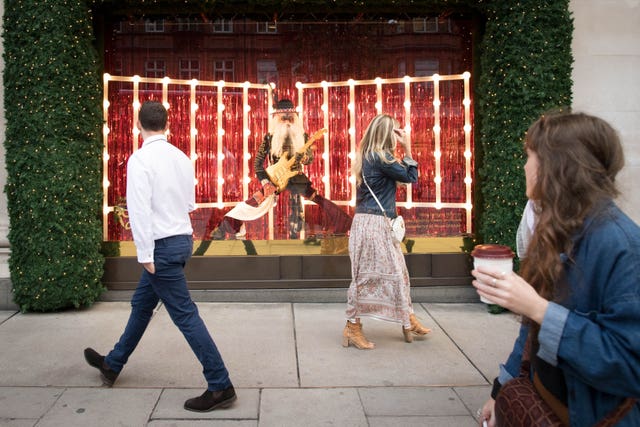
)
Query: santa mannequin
[{"x": 286, "y": 137}]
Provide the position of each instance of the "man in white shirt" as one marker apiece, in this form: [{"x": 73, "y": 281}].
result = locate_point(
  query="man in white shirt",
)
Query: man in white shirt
[{"x": 160, "y": 195}]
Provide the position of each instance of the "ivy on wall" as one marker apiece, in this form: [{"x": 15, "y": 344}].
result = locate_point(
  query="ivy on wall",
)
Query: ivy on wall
[
  {"x": 53, "y": 112},
  {"x": 53, "y": 158},
  {"x": 525, "y": 69}
]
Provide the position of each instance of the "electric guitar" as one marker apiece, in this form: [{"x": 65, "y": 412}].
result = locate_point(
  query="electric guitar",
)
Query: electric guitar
[{"x": 280, "y": 172}]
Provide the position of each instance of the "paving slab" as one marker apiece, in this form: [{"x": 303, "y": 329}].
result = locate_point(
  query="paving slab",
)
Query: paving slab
[
  {"x": 6, "y": 314},
  {"x": 101, "y": 407},
  {"x": 429, "y": 361},
  {"x": 243, "y": 333},
  {"x": 422, "y": 422},
  {"x": 311, "y": 408},
  {"x": 473, "y": 397},
  {"x": 27, "y": 402},
  {"x": 18, "y": 423},
  {"x": 483, "y": 337},
  {"x": 256, "y": 342},
  {"x": 46, "y": 348},
  {"x": 202, "y": 423},
  {"x": 412, "y": 401}
]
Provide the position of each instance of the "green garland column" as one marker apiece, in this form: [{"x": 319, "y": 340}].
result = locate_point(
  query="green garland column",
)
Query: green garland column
[
  {"x": 53, "y": 154},
  {"x": 525, "y": 70}
]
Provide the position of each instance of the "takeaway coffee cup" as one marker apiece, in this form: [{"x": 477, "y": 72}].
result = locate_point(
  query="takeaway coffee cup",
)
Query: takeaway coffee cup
[{"x": 496, "y": 257}]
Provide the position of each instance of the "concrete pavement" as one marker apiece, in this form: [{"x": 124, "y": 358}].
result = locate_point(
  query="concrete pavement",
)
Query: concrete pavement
[{"x": 285, "y": 359}]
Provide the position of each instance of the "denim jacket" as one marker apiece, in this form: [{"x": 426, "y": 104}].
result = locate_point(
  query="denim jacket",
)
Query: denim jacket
[
  {"x": 593, "y": 335},
  {"x": 382, "y": 178}
]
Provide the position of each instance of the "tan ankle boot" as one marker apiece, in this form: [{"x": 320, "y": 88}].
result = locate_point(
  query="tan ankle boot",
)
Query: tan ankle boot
[
  {"x": 416, "y": 327},
  {"x": 352, "y": 334},
  {"x": 408, "y": 334}
]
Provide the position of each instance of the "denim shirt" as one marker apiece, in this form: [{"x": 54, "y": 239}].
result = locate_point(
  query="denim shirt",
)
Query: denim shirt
[
  {"x": 382, "y": 178},
  {"x": 593, "y": 336}
]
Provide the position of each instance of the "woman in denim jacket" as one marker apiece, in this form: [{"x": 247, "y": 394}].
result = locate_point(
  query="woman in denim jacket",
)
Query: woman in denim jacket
[
  {"x": 579, "y": 285},
  {"x": 380, "y": 281}
]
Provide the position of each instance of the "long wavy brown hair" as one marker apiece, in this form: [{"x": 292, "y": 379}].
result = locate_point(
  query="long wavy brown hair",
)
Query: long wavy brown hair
[{"x": 579, "y": 157}]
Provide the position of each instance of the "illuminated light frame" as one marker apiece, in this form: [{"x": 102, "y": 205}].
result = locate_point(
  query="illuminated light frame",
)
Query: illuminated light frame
[
  {"x": 407, "y": 203},
  {"x": 166, "y": 81}
]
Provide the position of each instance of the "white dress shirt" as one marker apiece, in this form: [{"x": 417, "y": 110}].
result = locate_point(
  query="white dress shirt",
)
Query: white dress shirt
[{"x": 160, "y": 194}]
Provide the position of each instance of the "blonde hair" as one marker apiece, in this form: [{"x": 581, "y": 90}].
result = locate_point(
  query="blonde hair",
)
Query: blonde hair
[{"x": 378, "y": 140}]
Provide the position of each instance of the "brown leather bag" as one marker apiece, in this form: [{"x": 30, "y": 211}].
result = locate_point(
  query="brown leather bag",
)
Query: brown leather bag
[{"x": 518, "y": 404}]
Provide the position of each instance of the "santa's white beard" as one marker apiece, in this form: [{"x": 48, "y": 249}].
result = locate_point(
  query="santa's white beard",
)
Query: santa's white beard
[{"x": 280, "y": 134}]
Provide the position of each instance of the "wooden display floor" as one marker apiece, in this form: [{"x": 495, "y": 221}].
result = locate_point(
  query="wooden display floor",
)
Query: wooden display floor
[{"x": 422, "y": 245}]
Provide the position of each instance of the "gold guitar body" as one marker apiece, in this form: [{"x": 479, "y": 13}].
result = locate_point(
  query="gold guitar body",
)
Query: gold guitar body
[{"x": 280, "y": 172}]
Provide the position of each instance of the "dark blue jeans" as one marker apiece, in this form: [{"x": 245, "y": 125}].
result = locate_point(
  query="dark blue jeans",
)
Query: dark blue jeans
[{"x": 169, "y": 285}]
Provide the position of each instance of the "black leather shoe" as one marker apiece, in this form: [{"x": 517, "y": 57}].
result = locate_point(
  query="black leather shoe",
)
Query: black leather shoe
[
  {"x": 210, "y": 400},
  {"x": 96, "y": 360}
]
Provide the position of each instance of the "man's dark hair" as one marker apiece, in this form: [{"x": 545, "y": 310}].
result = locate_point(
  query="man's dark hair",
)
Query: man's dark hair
[{"x": 153, "y": 116}]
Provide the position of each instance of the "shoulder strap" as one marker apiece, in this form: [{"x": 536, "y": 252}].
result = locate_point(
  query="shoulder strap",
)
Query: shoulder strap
[{"x": 374, "y": 195}]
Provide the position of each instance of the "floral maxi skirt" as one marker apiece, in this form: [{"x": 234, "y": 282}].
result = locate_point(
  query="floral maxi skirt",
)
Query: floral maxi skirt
[{"x": 380, "y": 286}]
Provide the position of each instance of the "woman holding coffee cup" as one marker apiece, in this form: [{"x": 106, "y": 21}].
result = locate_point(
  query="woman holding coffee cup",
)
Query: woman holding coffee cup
[{"x": 578, "y": 288}]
